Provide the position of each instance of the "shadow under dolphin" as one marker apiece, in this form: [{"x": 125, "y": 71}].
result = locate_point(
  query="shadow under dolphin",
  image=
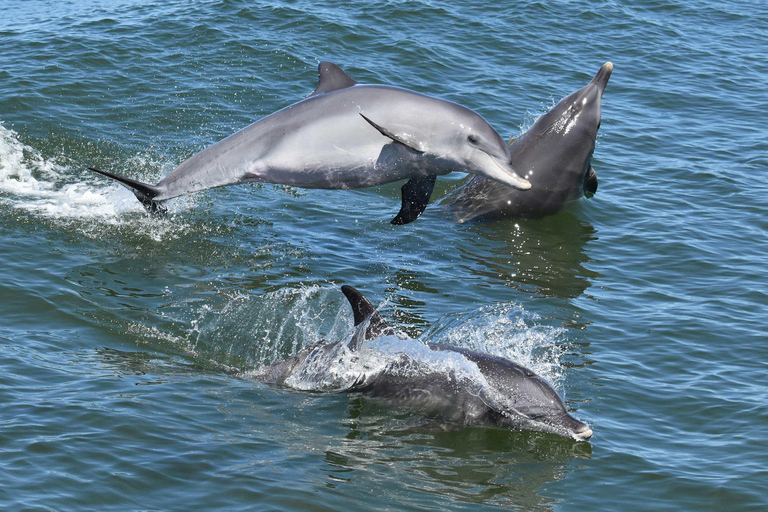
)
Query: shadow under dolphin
[
  {"x": 454, "y": 384},
  {"x": 554, "y": 155}
]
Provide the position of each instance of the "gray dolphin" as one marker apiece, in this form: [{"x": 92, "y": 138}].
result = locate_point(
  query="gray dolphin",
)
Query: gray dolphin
[
  {"x": 554, "y": 155},
  {"x": 345, "y": 136},
  {"x": 455, "y": 384}
]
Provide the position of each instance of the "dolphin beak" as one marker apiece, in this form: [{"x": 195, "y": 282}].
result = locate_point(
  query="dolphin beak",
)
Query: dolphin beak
[
  {"x": 507, "y": 176},
  {"x": 583, "y": 433},
  {"x": 602, "y": 76}
]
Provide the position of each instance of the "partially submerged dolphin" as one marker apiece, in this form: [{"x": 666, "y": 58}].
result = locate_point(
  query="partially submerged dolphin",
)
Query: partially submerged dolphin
[
  {"x": 455, "y": 384},
  {"x": 345, "y": 136},
  {"x": 554, "y": 155}
]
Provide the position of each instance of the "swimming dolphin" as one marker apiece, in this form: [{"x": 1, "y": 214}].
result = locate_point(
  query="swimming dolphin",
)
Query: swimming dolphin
[
  {"x": 554, "y": 155},
  {"x": 455, "y": 384},
  {"x": 345, "y": 136}
]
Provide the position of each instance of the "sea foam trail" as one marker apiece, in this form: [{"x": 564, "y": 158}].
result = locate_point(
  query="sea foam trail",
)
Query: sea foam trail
[
  {"x": 30, "y": 182},
  {"x": 35, "y": 185}
]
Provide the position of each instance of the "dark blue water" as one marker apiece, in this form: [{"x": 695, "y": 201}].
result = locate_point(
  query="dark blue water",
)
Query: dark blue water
[{"x": 126, "y": 342}]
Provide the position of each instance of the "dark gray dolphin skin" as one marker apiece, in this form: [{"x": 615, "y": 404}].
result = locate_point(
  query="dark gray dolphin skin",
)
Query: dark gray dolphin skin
[
  {"x": 511, "y": 396},
  {"x": 554, "y": 155},
  {"x": 346, "y": 136}
]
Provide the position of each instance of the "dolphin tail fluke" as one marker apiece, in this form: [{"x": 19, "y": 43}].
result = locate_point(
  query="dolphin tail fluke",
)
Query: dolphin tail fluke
[{"x": 144, "y": 193}]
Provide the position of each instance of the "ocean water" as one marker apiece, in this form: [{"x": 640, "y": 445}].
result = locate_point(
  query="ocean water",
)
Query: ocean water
[{"x": 126, "y": 342}]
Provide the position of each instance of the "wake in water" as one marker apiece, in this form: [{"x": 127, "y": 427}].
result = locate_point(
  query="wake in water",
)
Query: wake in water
[
  {"x": 42, "y": 187},
  {"x": 458, "y": 384},
  {"x": 30, "y": 182}
]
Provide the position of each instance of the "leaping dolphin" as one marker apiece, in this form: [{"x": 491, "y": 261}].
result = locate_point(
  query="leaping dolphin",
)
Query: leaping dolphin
[
  {"x": 346, "y": 136},
  {"x": 554, "y": 155},
  {"x": 455, "y": 384}
]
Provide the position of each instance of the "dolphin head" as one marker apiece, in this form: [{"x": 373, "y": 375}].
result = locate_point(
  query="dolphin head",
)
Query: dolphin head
[
  {"x": 554, "y": 155},
  {"x": 535, "y": 405},
  {"x": 580, "y": 112},
  {"x": 519, "y": 399},
  {"x": 567, "y": 134},
  {"x": 482, "y": 151}
]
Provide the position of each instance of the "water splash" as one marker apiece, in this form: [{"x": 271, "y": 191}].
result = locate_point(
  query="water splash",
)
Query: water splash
[
  {"x": 282, "y": 323},
  {"x": 530, "y": 118},
  {"x": 40, "y": 185},
  {"x": 335, "y": 368},
  {"x": 259, "y": 330},
  {"x": 509, "y": 331}
]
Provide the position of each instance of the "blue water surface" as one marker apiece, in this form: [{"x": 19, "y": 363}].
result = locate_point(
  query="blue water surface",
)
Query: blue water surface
[{"x": 126, "y": 342}]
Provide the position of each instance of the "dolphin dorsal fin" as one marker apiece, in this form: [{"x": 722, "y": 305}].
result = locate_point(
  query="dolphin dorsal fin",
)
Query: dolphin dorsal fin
[
  {"x": 332, "y": 78},
  {"x": 363, "y": 310}
]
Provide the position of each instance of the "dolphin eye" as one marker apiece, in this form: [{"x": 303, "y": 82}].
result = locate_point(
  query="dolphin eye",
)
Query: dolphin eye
[{"x": 473, "y": 139}]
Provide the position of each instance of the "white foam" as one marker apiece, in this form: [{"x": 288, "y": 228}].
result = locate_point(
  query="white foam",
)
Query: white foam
[
  {"x": 42, "y": 186},
  {"x": 35, "y": 185}
]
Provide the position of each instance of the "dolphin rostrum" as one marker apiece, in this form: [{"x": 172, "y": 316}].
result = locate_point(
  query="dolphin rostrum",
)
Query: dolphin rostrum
[
  {"x": 346, "y": 136},
  {"x": 454, "y": 384},
  {"x": 554, "y": 155}
]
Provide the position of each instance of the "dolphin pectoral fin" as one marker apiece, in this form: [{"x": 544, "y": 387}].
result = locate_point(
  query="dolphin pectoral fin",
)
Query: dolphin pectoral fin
[
  {"x": 416, "y": 193},
  {"x": 332, "y": 78},
  {"x": 413, "y": 145},
  {"x": 590, "y": 182},
  {"x": 143, "y": 192},
  {"x": 363, "y": 310}
]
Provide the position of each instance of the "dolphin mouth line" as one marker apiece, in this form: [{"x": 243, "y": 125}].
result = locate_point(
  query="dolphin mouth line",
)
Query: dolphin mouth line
[
  {"x": 582, "y": 435},
  {"x": 520, "y": 182}
]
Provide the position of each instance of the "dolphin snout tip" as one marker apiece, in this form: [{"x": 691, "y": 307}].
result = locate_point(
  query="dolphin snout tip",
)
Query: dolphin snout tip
[
  {"x": 514, "y": 180},
  {"x": 583, "y": 434},
  {"x": 603, "y": 75},
  {"x": 509, "y": 177}
]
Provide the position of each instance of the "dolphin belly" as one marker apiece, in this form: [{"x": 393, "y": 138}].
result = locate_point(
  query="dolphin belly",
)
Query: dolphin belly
[{"x": 335, "y": 152}]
